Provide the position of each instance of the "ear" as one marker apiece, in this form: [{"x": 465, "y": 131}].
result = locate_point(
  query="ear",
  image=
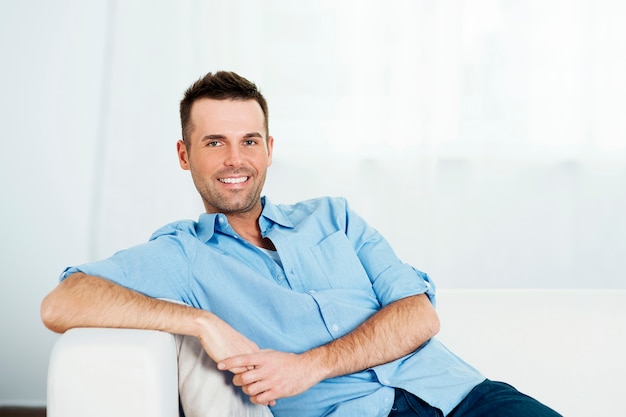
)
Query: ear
[
  {"x": 183, "y": 156},
  {"x": 270, "y": 149}
]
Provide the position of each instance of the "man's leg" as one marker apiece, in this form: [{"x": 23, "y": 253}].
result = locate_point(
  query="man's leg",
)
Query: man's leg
[
  {"x": 497, "y": 399},
  {"x": 488, "y": 399},
  {"x": 408, "y": 405}
]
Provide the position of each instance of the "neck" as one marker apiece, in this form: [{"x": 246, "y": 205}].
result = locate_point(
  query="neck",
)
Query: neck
[{"x": 247, "y": 226}]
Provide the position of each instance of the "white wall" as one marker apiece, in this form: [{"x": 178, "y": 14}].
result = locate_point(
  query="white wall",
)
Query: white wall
[{"x": 485, "y": 139}]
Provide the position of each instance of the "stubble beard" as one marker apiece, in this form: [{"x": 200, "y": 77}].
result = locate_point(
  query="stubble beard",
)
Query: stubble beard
[
  {"x": 231, "y": 201},
  {"x": 218, "y": 203}
]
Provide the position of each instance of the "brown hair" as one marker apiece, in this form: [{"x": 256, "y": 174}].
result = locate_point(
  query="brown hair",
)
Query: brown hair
[{"x": 223, "y": 85}]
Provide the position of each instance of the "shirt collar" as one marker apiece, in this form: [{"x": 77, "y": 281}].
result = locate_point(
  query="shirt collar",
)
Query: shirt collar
[
  {"x": 275, "y": 213},
  {"x": 271, "y": 214}
]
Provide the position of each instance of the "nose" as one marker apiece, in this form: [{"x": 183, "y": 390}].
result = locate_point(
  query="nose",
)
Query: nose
[{"x": 233, "y": 157}]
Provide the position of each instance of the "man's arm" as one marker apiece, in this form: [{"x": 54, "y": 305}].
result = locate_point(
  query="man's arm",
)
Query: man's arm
[
  {"x": 395, "y": 331},
  {"x": 88, "y": 301}
]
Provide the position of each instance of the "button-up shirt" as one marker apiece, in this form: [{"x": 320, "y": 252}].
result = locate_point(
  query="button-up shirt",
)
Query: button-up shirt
[{"x": 334, "y": 272}]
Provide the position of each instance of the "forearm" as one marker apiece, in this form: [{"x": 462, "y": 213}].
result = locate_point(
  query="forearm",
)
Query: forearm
[
  {"x": 87, "y": 301},
  {"x": 395, "y": 331}
]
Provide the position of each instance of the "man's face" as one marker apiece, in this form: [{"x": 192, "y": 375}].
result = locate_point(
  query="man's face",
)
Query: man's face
[{"x": 228, "y": 154}]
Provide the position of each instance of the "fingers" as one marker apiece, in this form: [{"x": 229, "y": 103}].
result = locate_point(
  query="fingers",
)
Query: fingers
[
  {"x": 253, "y": 382},
  {"x": 259, "y": 393},
  {"x": 240, "y": 369},
  {"x": 237, "y": 364},
  {"x": 251, "y": 375},
  {"x": 247, "y": 375}
]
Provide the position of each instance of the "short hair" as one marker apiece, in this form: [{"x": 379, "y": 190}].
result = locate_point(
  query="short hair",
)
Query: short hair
[{"x": 222, "y": 85}]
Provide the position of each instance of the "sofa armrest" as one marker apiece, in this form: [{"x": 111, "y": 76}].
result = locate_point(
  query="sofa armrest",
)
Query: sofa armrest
[{"x": 113, "y": 372}]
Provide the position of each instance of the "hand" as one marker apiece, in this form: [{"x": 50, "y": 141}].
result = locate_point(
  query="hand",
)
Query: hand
[
  {"x": 221, "y": 341},
  {"x": 269, "y": 375}
]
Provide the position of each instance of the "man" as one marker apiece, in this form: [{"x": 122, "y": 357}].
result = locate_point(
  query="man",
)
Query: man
[{"x": 305, "y": 304}]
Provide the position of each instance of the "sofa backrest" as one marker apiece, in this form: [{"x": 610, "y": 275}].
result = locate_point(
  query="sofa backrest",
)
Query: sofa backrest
[{"x": 564, "y": 347}]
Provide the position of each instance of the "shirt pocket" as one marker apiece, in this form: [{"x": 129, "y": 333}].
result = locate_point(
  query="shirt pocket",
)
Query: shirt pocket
[{"x": 339, "y": 263}]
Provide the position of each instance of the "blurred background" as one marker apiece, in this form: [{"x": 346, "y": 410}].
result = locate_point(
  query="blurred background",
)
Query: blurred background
[{"x": 486, "y": 139}]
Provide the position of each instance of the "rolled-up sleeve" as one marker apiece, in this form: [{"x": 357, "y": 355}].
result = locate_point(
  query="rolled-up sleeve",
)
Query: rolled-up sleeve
[
  {"x": 401, "y": 281},
  {"x": 391, "y": 278}
]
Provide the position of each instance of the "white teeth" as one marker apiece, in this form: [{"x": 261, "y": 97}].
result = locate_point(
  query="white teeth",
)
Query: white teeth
[{"x": 234, "y": 180}]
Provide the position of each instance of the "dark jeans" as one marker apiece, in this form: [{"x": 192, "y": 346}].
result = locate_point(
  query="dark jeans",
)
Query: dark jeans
[{"x": 487, "y": 399}]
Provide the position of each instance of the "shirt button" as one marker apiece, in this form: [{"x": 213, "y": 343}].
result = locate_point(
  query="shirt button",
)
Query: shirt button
[
  {"x": 335, "y": 327},
  {"x": 312, "y": 292},
  {"x": 280, "y": 277}
]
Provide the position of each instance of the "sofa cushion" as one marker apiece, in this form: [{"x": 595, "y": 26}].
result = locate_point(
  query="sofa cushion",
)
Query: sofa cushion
[{"x": 206, "y": 391}]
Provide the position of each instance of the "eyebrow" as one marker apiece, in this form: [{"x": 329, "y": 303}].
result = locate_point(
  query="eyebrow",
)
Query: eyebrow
[
  {"x": 253, "y": 135},
  {"x": 218, "y": 136}
]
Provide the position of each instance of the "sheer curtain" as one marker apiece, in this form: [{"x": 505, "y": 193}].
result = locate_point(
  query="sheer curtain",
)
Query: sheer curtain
[
  {"x": 483, "y": 77},
  {"x": 485, "y": 139}
]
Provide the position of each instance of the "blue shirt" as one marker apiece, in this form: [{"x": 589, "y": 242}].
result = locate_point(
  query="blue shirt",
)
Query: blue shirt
[{"x": 335, "y": 271}]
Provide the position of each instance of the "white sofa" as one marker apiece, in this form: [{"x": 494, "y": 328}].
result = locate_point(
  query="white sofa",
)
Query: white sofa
[{"x": 564, "y": 347}]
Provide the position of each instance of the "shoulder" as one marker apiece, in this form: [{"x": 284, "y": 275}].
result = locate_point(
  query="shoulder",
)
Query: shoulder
[
  {"x": 320, "y": 211},
  {"x": 315, "y": 205},
  {"x": 179, "y": 229}
]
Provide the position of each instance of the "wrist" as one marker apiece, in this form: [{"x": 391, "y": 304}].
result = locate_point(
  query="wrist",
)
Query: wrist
[
  {"x": 320, "y": 362},
  {"x": 203, "y": 323}
]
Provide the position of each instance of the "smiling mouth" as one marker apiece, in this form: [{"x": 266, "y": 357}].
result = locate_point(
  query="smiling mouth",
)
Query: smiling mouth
[{"x": 237, "y": 180}]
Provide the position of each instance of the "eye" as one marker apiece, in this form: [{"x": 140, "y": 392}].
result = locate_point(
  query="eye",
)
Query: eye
[
  {"x": 212, "y": 143},
  {"x": 250, "y": 142}
]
